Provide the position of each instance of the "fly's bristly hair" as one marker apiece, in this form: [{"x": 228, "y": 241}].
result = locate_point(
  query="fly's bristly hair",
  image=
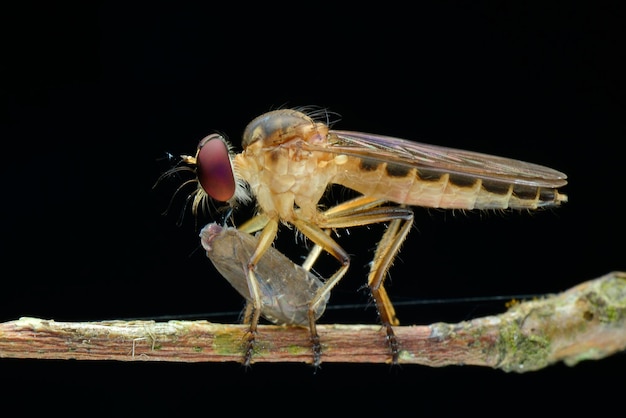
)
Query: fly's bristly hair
[
  {"x": 179, "y": 167},
  {"x": 319, "y": 114},
  {"x": 315, "y": 112}
]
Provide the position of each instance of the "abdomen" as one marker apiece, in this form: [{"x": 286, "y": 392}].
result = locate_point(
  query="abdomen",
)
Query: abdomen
[{"x": 417, "y": 187}]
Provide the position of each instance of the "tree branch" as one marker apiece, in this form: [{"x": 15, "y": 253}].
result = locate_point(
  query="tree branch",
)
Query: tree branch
[{"x": 586, "y": 322}]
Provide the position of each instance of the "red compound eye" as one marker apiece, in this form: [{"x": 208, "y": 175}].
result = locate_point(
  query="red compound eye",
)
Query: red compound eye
[{"x": 215, "y": 172}]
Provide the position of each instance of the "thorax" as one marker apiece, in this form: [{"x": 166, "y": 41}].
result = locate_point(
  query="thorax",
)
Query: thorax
[{"x": 286, "y": 177}]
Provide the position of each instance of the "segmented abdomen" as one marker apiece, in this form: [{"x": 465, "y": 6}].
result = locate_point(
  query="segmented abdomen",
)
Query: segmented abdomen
[{"x": 428, "y": 188}]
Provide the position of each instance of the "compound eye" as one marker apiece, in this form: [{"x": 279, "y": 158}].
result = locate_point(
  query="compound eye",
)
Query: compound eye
[{"x": 215, "y": 172}]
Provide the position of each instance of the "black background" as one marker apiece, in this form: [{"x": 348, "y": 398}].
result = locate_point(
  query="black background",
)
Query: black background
[{"x": 95, "y": 97}]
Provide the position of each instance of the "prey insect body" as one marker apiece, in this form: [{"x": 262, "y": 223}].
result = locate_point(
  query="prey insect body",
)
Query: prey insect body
[
  {"x": 285, "y": 288},
  {"x": 288, "y": 162}
]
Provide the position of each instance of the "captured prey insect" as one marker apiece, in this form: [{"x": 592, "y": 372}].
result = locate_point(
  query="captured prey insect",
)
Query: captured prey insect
[
  {"x": 290, "y": 159},
  {"x": 285, "y": 289}
]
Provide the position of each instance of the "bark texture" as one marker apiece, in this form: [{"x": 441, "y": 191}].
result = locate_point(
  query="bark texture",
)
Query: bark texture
[{"x": 586, "y": 322}]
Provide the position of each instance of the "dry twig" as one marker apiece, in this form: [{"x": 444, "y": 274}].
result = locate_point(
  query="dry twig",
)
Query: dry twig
[{"x": 587, "y": 322}]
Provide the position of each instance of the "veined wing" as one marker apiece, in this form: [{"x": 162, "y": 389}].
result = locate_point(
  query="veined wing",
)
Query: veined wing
[{"x": 442, "y": 160}]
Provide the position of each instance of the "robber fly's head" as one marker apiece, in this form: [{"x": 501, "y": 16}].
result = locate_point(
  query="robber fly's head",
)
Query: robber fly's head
[
  {"x": 214, "y": 168},
  {"x": 213, "y": 174}
]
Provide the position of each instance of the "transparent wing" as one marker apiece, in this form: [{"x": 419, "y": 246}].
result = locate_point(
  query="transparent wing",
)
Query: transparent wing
[{"x": 441, "y": 159}]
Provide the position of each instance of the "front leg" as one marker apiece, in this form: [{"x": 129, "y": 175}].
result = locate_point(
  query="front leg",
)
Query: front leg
[{"x": 253, "y": 308}]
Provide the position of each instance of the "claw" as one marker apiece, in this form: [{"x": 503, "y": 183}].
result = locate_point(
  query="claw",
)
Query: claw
[
  {"x": 317, "y": 351},
  {"x": 249, "y": 347},
  {"x": 392, "y": 342}
]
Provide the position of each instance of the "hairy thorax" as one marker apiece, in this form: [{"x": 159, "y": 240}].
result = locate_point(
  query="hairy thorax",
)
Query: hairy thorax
[{"x": 285, "y": 176}]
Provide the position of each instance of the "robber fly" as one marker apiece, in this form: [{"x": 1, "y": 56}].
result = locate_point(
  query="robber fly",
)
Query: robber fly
[{"x": 290, "y": 159}]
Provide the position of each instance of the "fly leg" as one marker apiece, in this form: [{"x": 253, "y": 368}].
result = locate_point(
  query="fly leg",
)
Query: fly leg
[
  {"x": 386, "y": 251},
  {"x": 365, "y": 211},
  {"x": 269, "y": 229},
  {"x": 323, "y": 241},
  {"x": 314, "y": 254}
]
